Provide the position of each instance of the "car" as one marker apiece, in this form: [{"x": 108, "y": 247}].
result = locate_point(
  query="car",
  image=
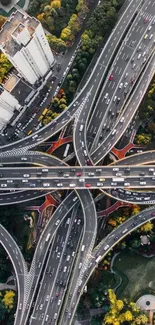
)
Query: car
[
  {"x": 57, "y": 222},
  {"x": 141, "y": 174},
  {"x": 115, "y": 169},
  {"x": 72, "y": 185},
  {"x": 133, "y": 66},
  {"x": 82, "y": 180},
  {"x": 68, "y": 221},
  {"x": 41, "y": 307},
  {"x": 58, "y": 255},
  {"x": 99, "y": 184},
  {"x": 78, "y": 222},
  {"x": 146, "y": 36},
  {"x": 59, "y": 184},
  {"x": 102, "y": 179},
  {"x": 26, "y": 175},
  {"x": 47, "y": 317},
  {"x": 150, "y": 36},
  {"x": 75, "y": 220},
  {"x": 146, "y": 20},
  {"x": 88, "y": 162},
  {"x": 126, "y": 184},
  {"x": 78, "y": 174},
  {"x": 24, "y": 158},
  {"x": 55, "y": 316},
  {"x": 46, "y": 184},
  {"x": 87, "y": 185},
  {"x": 121, "y": 84},
  {"x": 106, "y": 247},
  {"x": 59, "y": 302},
  {"x": 106, "y": 96},
  {"x": 111, "y": 77},
  {"x": 91, "y": 174},
  {"x": 119, "y": 174},
  {"x": 108, "y": 101},
  {"x": 3, "y": 185},
  {"x": 142, "y": 183},
  {"x": 113, "y": 183},
  {"x": 115, "y": 97},
  {"x": 47, "y": 298},
  {"x": 126, "y": 75},
  {"x": 44, "y": 170},
  {"x": 11, "y": 181}
]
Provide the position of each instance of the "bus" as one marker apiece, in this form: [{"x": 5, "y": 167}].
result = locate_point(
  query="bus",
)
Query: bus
[
  {"x": 47, "y": 238},
  {"x": 118, "y": 179},
  {"x": 66, "y": 150}
]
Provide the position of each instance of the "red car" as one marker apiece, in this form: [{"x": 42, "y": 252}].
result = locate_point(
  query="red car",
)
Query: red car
[
  {"x": 111, "y": 77},
  {"x": 78, "y": 174},
  {"x": 145, "y": 20},
  {"x": 88, "y": 162},
  {"x": 87, "y": 185}
]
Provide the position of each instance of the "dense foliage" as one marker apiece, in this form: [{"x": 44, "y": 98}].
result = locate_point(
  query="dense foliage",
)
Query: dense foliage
[
  {"x": 5, "y": 66},
  {"x": 123, "y": 312},
  {"x": 5, "y": 2}
]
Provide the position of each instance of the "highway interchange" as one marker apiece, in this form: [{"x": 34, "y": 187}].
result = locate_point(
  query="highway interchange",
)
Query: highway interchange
[{"x": 65, "y": 255}]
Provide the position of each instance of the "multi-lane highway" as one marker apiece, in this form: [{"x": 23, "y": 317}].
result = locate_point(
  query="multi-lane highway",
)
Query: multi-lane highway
[{"x": 77, "y": 177}]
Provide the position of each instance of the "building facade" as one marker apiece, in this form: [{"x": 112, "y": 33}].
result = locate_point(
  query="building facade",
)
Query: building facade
[
  {"x": 23, "y": 41},
  {"x": 8, "y": 104}
]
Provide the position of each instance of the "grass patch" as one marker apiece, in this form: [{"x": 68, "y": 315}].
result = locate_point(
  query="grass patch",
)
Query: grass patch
[
  {"x": 7, "y": 14},
  {"x": 137, "y": 274}
]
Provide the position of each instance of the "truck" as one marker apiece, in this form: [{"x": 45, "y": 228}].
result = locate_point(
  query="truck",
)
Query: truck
[
  {"x": 98, "y": 259},
  {"x": 83, "y": 247},
  {"x": 118, "y": 179}
]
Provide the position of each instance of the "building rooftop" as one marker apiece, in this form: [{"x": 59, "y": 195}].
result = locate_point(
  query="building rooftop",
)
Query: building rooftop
[
  {"x": 18, "y": 88},
  {"x": 11, "y": 82},
  {"x": 15, "y": 24}
]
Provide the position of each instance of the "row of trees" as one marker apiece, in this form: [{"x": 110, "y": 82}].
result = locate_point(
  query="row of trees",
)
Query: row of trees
[
  {"x": 123, "y": 312},
  {"x": 58, "y": 104}
]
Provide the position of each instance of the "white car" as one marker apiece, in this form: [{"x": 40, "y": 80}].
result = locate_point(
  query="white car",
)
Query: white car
[
  {"x": 121, "y": 84},
  {"x": 25, "y": 180},
  {"x": 3, "y": 185},
  {"x": 81, "y": 180},
  {"x": 126, "y": 184},
  {"x": 47, "y": 298},
  {"x": 57, "y": 222},
  {"x": 46, "y": 184},
  {"x": 99, "y": 184},
  {"x": 59, "y": 184},
  {"x": 115, "y": 169},
  {"x": 26, "y": 175},
  {"x": 68, "y": 221},
  {"x": 72, "y": 185},
  {"x": 79, "y": 221},
  {"x": 142, "y": 183},
  {"x": 23, "y": 158}
]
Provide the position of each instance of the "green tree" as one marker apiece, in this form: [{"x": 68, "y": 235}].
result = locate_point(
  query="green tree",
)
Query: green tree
[{"x": 5, "y": 2}]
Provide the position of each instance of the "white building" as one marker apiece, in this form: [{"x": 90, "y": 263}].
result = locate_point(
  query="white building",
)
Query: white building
[
  {"x": 8, "y": 104},
  {"x": 23, "y": 41}
]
